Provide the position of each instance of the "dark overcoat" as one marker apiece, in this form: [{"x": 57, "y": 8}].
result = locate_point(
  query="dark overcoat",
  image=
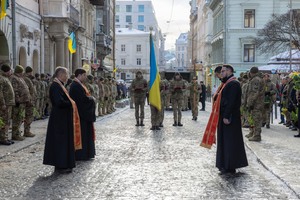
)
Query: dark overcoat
[
  {"x": 86, "y": 109},
  {"x": 230, "y": 145},
  {"x": 59, "y": 145}
]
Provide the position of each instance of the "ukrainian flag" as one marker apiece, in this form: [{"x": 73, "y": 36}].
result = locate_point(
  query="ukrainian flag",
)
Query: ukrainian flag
[
  {"x": 154, "y": 93},
  {"x": 72, "y": 43},
  {"x": 4, "y": 6}
]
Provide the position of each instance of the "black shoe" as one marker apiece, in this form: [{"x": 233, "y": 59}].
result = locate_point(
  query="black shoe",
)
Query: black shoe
[
  {"x": 268, "y": 126},
  {"x": 137, "y": 124},
  {"x": 297, "y": 135},
  {"x": 175, "y": 124},
  {"x": 202, "y": 110},
  {"x": 142, "y": 124},
  {"x": 227, "y": 171},
  {"x": 180, "y": 124},
  {"x": 63, "y": 170},
  {"x": 153, "y": 128},
  {"x": 161, "y": 125},
  {"x": 11, "y": 141},
  {"x": 263, "y": 124},
  {"x": 5, "y": 142},
  {"x": 157, "y": 128},
  {"x": 195, "y": 119}
]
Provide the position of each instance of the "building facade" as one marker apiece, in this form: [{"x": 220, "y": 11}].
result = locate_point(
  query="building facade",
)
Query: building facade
[
  {"x": 132, "y": 53},
  {"x": 140, "y": 15},
  {"x": 35, "y": 33},
  {"x": 227, "y": 29},
  {"x": 181, "y": 50}
]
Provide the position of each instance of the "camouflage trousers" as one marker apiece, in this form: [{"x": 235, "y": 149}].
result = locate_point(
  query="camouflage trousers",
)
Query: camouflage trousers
[
  {"x": 155, "y": 116},
  {"x": 18, "y": 114},
  {"x": 100, "y": 106},
  {"x": 28, "y": 118},
  {"x": 177, "y": 107},
  {"x": 185, "y": 102},
  {"x": 266, "y": 113},
  {"x": 162, "y": 112},
  {"x": 6, "y": 116},
  {"x": 38, "y": 106},
  {"x": 194, "y": 104},
  {"x": 257, "y": 118},
  {"x": 139, "y": 105}
]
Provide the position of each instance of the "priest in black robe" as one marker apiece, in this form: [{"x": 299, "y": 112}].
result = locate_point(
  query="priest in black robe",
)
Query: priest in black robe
[
  {"x": 59, "y": 145},
  {"x": 86, "y": 108},
  {"x": 230, "y": 145}
]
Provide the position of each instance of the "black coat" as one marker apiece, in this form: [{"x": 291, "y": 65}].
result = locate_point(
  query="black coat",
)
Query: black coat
[
  {"x": 230, "y": 145},
  {"x": 59, "y": 146},
  {"x": 86, "y": 109}
]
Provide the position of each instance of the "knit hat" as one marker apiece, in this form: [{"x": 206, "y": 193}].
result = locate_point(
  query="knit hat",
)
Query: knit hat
[
  {"x": 19, "y": 69},
  {"x": 5, "y": 68},
  {"x": 254, "y": 70},
  {"x": 28, "y": 69},
  {"x": 90, "y": 77}
]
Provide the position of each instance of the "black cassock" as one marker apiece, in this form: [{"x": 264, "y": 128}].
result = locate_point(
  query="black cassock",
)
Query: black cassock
[
  {"x": 59, "y": 145},
  {"x": 230, "y": 144},
  {"x": 86, "y": 108}
]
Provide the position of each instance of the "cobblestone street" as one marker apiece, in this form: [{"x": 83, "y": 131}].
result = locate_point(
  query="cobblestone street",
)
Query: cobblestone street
[{"x": 137, "y": 163}]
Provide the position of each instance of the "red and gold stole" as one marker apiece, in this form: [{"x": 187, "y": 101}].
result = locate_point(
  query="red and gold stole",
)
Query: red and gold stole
[
  {"x": 76, "y": 119},
  {"x": 87, "y": 92},
  {"x": 209, "y": 137}
]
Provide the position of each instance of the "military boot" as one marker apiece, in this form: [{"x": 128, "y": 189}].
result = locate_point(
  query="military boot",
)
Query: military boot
[
  {"x": 153, "y": 128},
  {"x": 137, "y": 123},
  {"x": 161, "y": 125},
  {"x": 249, "y": 135},
  {"x": 180, "y": 124},
  {"x": 142, "y": 124},
  {"x": 157, "y": 128},
  {"x": 18, "y": 138},
  {"x": 255, "y": 138},
  {"x": 29, "y": 134},
  {"x": 175, "y": 123}
]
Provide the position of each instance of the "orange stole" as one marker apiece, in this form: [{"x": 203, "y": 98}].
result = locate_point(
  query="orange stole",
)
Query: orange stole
[
  {"x": 87, "y": 92},
  {"x": 76, "y": 119},
  {"x": 209, "y": 137}
]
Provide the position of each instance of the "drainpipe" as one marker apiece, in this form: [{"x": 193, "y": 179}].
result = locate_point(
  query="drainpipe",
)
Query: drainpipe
[
  {"x": 14, "y": 48},
  {"x": 42, "y": 44},
  {"x": 225, "y": 32}
]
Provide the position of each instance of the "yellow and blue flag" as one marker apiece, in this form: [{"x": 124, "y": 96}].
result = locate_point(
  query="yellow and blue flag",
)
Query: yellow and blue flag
[
  {"x": 4, "y": 6},
  {"x": 72, "y": 43},
  {"x": 154, "y": 93}
]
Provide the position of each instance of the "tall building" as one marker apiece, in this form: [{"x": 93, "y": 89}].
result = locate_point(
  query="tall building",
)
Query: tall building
[
  {"x": 181, "y": 49},
  {"x": 140, "y": 15}
]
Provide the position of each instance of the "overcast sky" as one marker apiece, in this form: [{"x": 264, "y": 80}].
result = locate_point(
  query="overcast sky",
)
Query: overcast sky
[{"x": 178, "y": 19}]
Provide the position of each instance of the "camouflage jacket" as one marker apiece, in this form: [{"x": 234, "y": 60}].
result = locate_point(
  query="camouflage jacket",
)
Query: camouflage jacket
[
  {"x": 22, "y": 94},
  {"x": 7, "y": 95}
]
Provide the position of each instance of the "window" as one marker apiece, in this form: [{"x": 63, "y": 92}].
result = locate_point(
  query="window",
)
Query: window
[
  {"x": 117, "y": 8},
  {"x": 117, "y": 18},
  {"x": 141, "y": 27},
  {"x": 123, "y": 47},
  {"x": 249, "y": 19},
  {"x": 128, "y": 8},
  {"x": 141, "y": 18},
  {"x": 249, "y": 52},
  {"x": 123, "y": 61},
  {"x": 141, "y": 8},
  {"x": 138, "y": 61},
  {"x": 128, "y": 18},
  {"x": 138, "y": 48}
]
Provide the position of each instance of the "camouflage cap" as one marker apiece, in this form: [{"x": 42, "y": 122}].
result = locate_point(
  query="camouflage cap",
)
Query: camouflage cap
[
  {"x": 28, "y": 69},
  {"x": 19, "y": 69},
  {"x": 5, "y": 68}
]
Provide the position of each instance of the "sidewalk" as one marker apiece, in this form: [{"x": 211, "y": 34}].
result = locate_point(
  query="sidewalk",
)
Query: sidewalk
[{"x": 278, "y": 152}]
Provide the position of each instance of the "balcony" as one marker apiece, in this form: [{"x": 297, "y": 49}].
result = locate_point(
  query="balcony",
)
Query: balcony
[
  {"x": 74, "y": 15},
  {"x": 97, "y": 2}
]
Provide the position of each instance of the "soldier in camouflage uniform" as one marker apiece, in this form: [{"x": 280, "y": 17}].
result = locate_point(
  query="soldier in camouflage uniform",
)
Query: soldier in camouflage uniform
[
  {"x": 96, "y": 90},
  {"x": 270, "y": 92},
  {"x": 244, "y": 86},
  {"x": 30, "y": 105},
  {"x": 186, "y": 95},
  {"x": 255, "y": 103},
  {"x": 139, "y": 87},
  {"x": 22, "y": 97},
  {"x": 164, "y": 89},
  {"x": 106, "y": 96},
  {"x": 44, "y": 86},
  {"x": 101, "y": 108},
  {"x": 195, "y": 91},
  {"x": 168, "y": 97},
  {"x": 7, "y": 101},
  {"x": 89, "y": 84},
  {"x": 177, "y": 88},
  {"x": 114, "y": 93},
  {"x": 37, "y": 84}
]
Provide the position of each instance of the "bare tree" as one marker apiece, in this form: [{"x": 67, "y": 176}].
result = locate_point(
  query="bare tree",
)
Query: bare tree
[{"x": 275, "y": 36}]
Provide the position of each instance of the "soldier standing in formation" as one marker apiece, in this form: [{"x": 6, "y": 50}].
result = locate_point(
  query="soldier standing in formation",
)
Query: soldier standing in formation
[
  {"x": 101, "y": 108},
  {"x": 270, "y": 92},
  {"x": 164, "y": 90},
  {"x": 255, "y": 103},
  {"x": 177, "y": 88},
  {"x": 139, "y": 87},
  {"x": 195, "y": 91},
  {"x": 186, "y": 95},
  {"x": 29, "y": 106},
  {"x": 7, "y": 101},
  {"x": 244, "y": 86}
]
